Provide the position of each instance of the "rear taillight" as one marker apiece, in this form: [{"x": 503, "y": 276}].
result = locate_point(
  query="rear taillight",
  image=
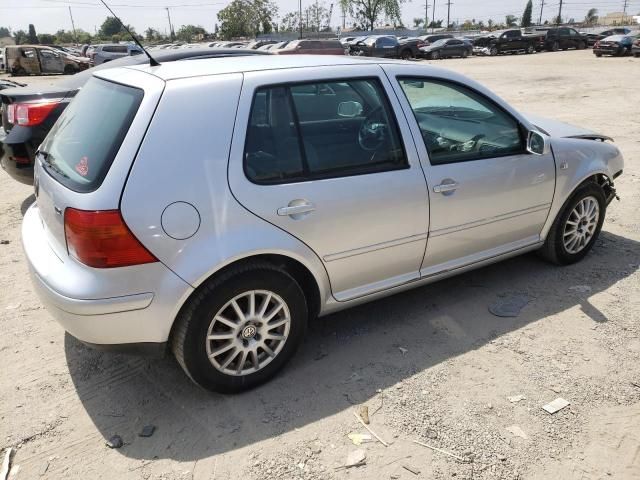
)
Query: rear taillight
[
  {"x": 29, "y": 114},
  {"x": 422, "y": 44},
  {"x": 101, "y": 239}
]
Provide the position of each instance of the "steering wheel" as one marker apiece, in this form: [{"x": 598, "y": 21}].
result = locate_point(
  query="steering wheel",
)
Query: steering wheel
[{"x": 374, "y": 131}]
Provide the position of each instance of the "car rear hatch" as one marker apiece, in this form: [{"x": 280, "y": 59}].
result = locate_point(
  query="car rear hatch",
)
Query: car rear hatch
[{"x": 83, "y": 163}]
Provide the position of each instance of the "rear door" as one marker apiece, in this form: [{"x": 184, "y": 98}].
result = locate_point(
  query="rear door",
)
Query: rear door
[{"x": 347, "y": 182}]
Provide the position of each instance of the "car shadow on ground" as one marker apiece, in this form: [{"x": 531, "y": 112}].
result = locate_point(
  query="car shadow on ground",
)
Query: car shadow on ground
[{"x": 345, "y": 358}]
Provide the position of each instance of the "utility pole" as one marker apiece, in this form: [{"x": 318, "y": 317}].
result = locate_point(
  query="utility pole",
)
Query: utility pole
[
  {"x": 73, "y": 26},
  {"x": 624, "y": 11},
  {"x": 344, "y": 18},
  {"x": 433, "y": 16},
  {"x": 559, "y": 19},
  {"x": 541, "y": 7},
  {"x": 426, "y": 15},
  {"x": 449, "y": 12},
  {"x": 300, "y": 15},
  {"x": 171, "y": 32}
]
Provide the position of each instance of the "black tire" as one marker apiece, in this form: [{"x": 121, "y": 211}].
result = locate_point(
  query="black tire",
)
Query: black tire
[
  {"x": 636, "y": 55},
  {"x": 406, "y": 54},
  {"x": 493, "y": 51},
  {"x": 435, "y": 55},
  {"x": 530, "y": 49},
  {"x": 582, "y": 46},
  {"x": 555, "y": 47},
  {"x": 69, "y": 70},
  {"x": 19, "y": 72},
  {"x": 554, "y": 249},
  {"x": 188, "y": 340},
  {"x": 465, "y": 54},
  {"x": 598, "y": 55}
]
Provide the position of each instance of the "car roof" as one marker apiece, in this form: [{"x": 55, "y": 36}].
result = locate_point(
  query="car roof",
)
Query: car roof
[{"x": 252, "y": 63}]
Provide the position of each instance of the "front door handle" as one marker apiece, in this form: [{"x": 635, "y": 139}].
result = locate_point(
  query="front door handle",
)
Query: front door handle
[
  {"x": 446, "y": 186},
  {"x": 295, "y": 208}
]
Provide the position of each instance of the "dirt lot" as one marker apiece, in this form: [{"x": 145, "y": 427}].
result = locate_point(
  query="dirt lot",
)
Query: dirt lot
[{"x": 432, "y": 364}]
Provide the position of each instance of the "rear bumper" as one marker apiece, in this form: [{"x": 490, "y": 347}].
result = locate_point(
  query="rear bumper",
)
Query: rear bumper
[
  {"x": 109, "y": 307},
  {"x": 17, "y": 159}
]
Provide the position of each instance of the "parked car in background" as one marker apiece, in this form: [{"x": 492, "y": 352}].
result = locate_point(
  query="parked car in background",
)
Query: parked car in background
[
  {"x": 506, "y": 41},
  {"x": 383, "y": 46},
  {"x": 37, "y": 60},
  {"x": 616, "y": 45},
  {"x": 563, "y": 38},
  {"x": 317, "y": 185},
  {"x": 29, "y": 113},
  {"x": 429, "y": 39},
  {"x": 592, "y": 38},
  {"x": 311, "y": 47},
  {"x": 447, "y": 48},
  {"x": 108, "y": 52},
  {"x": 635, "y": 48},
  {"x": 260, "y": 43},
  {"x": 410, "y": 47}
]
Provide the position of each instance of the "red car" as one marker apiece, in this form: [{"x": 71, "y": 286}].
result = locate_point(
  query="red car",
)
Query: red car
[{"x": 312, "y": 47}]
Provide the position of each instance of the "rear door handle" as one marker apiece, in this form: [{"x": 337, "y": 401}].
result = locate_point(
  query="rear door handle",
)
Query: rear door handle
[
  {"x": 445, "y": 187},
  {"x": 298, "y": 209}
]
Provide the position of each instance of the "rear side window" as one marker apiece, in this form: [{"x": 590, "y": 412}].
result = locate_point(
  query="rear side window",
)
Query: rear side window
[
  {"x": 311, "y": 131},
  {"x": 115, "y": 49},
  {"x": 81, "y": 146}
]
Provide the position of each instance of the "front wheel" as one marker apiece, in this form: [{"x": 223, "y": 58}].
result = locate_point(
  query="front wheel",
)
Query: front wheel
[
  {"x": 241, "y": 328},
  {"x": 465, "y": 54},
  {"x": 531, "y": 49},
  {"x": 577, "y": 227},
  {"x": 582, "y": 46},
  {"x": 555, "y": 47},
  {"x": 493, "y": 52},
  {"x": 435, "y": 56},
  {"x": 406, "y": 54}
]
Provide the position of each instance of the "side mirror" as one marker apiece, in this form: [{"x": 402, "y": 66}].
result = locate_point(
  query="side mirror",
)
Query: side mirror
[
  {"x": 349, "y": 109},
  {"x": 537, "y": 143}
]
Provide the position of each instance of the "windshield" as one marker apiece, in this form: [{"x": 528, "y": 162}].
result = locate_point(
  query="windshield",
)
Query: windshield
[
  {"x": 439, "y": 43},
  {"x": 81, "y": 146}
]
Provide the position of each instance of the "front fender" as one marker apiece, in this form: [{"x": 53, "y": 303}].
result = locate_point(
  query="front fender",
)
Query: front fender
[{"x": 577, "y": 160}]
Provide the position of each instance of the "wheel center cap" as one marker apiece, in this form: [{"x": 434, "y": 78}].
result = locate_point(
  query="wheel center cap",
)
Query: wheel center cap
[{"x": 249, "y": 332}]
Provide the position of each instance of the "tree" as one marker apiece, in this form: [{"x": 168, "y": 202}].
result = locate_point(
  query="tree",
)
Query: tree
[
  {"x": 489, "y": 24},
  {"x": 46, "y": 39},
  {"x": 150, "y": 34},
  {"x": 290, "y": 22},
  {"x": 591, "y": 18},
  {"x": 21, "y": 37},
  {"x": 111, "y": 26},
  {"x": 417, "y": 22},
  {"x": 526, "y": 15},
  {"x": 186, "y": 33},
  {"x": 511, "y": 21},
  {"x": 32, "y": 37},
  {"x": 368, "y": 12},
  {"x": 246, "y": 18},
  {"x": 4, "y": 32},
  {"x": 557, "y": 20},
  {"x": 436, "y": 24}
]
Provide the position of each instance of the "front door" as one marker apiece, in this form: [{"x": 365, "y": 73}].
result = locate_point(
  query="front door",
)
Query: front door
[
  {"x": 345, "y": 179},
  {"x": 488, "y": 196},
  {"x": 51, "y": 61}
]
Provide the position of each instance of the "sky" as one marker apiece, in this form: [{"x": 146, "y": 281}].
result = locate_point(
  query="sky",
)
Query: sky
[{"x": 48, "y": 16}]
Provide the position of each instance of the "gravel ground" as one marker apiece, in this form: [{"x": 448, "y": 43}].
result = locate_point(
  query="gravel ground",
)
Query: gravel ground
[{"x": 432, "y": 364}]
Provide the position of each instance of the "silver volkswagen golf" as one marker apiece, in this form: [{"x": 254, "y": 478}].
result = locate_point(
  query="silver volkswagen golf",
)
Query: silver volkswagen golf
[{"x": 214, "y": 206}]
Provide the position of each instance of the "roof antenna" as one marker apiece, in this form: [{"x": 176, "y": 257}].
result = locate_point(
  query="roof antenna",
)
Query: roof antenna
[{"x": 152, "y": 61}]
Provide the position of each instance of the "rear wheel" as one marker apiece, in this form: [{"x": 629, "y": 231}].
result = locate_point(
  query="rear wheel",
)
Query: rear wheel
[
  {"x": 582, "y": 46},
  {"x": 69, "y": 70},
  {"x": 531, "y": 49},
  {"x": 406, "y": 54},
  {"x": 555, "y": 47},
  {"x": 241, "y": 328},
  {"x": 598, "y": 54},
  {"x": 19, "y": 72},
  {"x": 577, "y": 227},
  {"x": 465, "y": 54},
  {"x": 435, "y": 55}
]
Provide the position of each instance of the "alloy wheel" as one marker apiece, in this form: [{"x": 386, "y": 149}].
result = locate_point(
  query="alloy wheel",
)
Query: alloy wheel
[
  {"x": 248, "y": 332},
  {"x": 581, "y": 225}
]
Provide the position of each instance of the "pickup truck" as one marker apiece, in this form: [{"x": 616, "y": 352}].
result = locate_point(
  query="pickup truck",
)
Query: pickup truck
[
  {"x": 563, "y": 38},
  {"x": 507, "y": 41}
]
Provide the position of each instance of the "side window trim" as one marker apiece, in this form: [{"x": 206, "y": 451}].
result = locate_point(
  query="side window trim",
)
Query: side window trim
[
  {"x": 338, "y": 173},
  {"x": 448, "y": 82}
]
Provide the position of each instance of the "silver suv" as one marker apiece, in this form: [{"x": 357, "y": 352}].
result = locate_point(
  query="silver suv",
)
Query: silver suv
[
  {"x": 105, "y": 53},
  {"x": 215, "y": 206}
]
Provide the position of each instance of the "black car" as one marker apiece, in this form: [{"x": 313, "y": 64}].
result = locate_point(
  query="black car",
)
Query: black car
[
  {"x": 29, "y": 113},
  {"x": 429, "y": 39},
  {"x": 447, "y": 48},
  {"x": 615, "y": 45},
  {"x": 563, "y": 38},
  {"x": 410, "y": 47},
  {"x": 376, "y": 46}
]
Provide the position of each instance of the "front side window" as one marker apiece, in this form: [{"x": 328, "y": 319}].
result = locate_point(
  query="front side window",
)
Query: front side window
[
  {"x": 458, "y": 124},
  {"x": 309, "y": 131}
]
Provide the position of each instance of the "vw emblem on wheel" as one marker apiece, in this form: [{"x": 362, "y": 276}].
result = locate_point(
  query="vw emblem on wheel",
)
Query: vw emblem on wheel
[{"x": 249, "y": 332}]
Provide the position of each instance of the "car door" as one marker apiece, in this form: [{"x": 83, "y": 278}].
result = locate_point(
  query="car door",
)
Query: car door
[
  {"x": 349, "y": 185},
  {"x": 386, "y": 47},
  {"x": 488, "y": 196},
  {"x": 51, "y": 61},
  {"x": 29, "y": 60},
  {"x": 455, "y": 47}
]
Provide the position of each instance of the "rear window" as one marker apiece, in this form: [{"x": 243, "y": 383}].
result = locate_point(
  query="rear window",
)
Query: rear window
[
  {"x": 115, "y": 49},
  {"x": 81, "y": 146}
]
